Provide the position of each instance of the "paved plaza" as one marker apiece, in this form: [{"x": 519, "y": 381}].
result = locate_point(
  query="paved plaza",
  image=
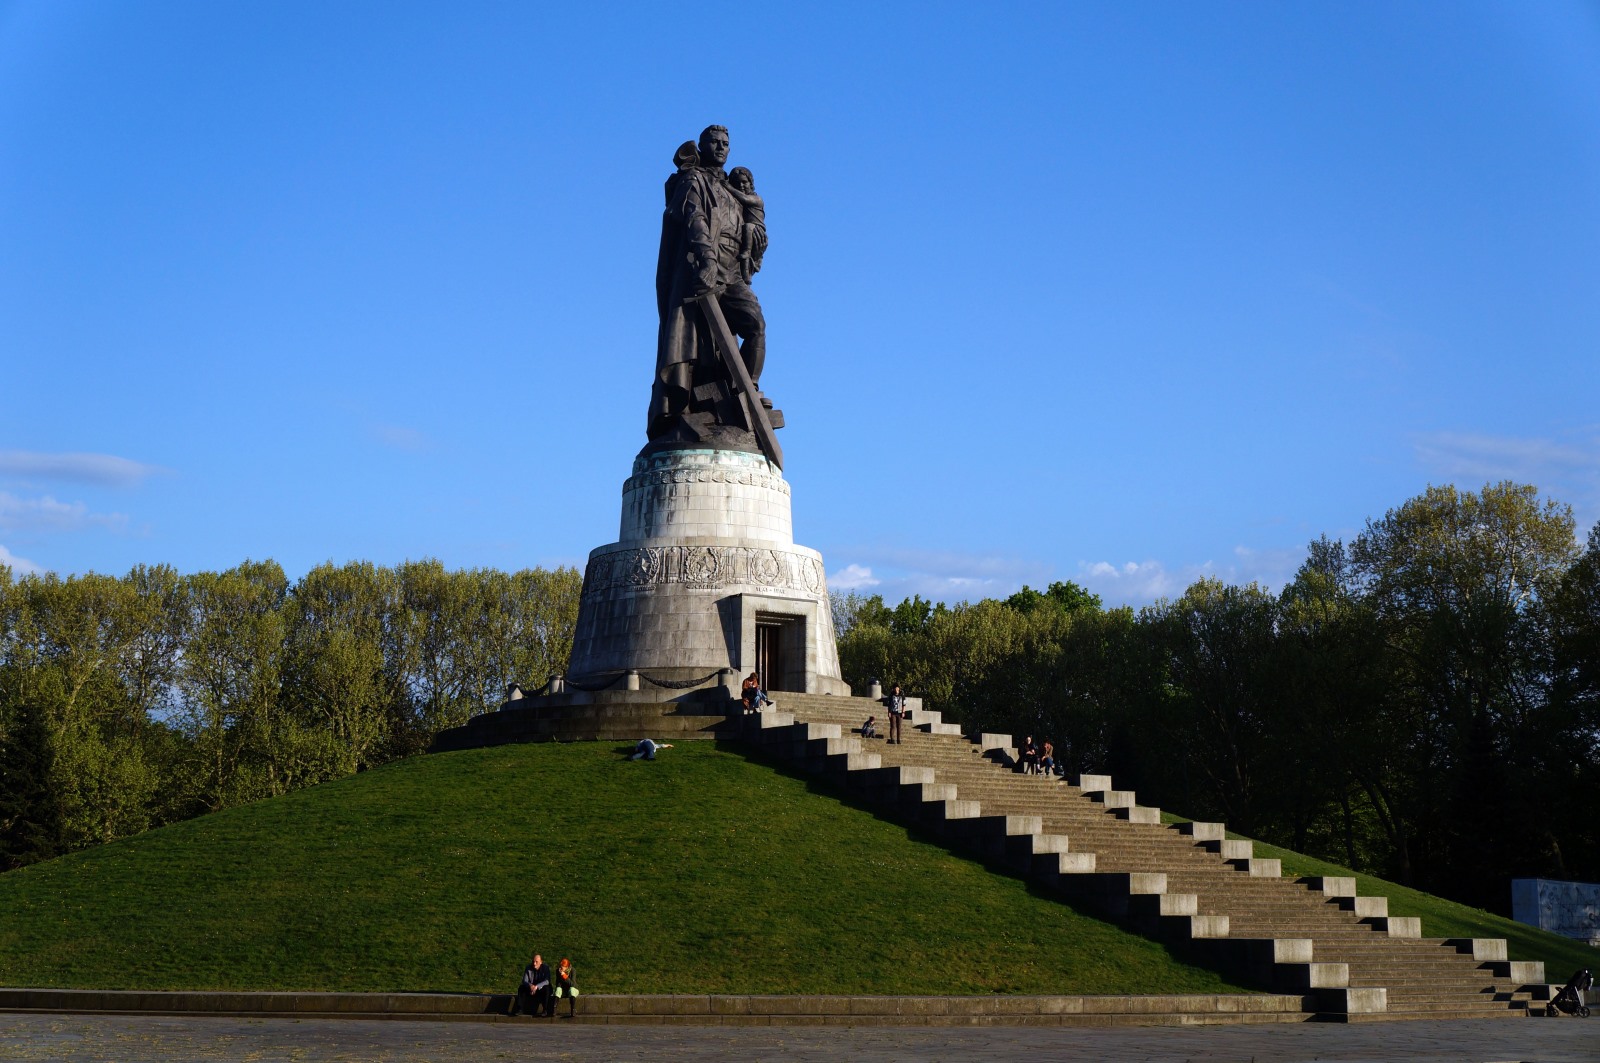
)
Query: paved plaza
[{"x": 137, "y": 1039}]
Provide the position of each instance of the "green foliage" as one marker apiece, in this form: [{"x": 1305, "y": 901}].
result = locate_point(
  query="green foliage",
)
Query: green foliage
[
  {"x": 30, "y": 813},
  {"x": 154, "y": 697},
  {"x": 1423, "y": 704},
  {"x": 1068, "y": 597},
  {"x": 699, "y": 872}
]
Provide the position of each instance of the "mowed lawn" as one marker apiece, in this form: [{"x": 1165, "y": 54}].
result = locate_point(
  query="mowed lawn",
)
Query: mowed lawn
[
  {"x": 700, "y": 872},
  {"x": 1443, "y": 918}
]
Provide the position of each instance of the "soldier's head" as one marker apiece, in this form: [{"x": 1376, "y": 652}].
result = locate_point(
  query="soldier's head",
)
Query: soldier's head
[
  {"x": 741, "y": 178},
  {"x": 714, "y": 146}
]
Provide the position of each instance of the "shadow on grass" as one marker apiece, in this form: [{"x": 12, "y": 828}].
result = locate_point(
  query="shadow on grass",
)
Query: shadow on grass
[{"x": 1178, "y": 952}]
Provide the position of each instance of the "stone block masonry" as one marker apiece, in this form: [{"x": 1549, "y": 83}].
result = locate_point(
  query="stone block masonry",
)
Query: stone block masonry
[{"x": 706, "y": 553}]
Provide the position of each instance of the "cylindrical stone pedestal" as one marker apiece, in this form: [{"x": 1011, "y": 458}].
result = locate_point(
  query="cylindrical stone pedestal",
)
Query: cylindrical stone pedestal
[{"x": 705, "y": 575}]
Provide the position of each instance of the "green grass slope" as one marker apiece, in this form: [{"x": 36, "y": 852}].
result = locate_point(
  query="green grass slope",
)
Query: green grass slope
[
  {"x": 699, "y": 872},
  {"x": 1447, "y": 919},
  {"x": 1441, "y": 918}
]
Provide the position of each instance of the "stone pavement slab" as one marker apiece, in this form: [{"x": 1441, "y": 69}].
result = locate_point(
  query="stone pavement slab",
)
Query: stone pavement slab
[{"x": 152, "y": 1039}]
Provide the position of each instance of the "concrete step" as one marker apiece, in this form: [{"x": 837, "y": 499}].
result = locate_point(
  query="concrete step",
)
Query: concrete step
[
  {"x": 695, "y": 1009},
  {"x": 1098, "y": 843}
]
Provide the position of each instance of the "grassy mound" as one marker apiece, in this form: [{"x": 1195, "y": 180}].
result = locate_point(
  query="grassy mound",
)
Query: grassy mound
[
  {"x": 1448, "y": 919},
  {"x": 1441, "y": 918},
  {"x": 699, "y": 872}
]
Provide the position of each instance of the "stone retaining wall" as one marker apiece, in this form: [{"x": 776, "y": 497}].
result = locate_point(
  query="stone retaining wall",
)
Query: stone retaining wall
[{"x": 668, "y": 1009}]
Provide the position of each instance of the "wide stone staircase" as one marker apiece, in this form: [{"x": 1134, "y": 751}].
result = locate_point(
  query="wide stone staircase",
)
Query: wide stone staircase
[{"x": 1187, "y": 884}]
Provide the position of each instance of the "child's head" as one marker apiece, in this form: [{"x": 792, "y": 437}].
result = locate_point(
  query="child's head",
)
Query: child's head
[{"x": 742, "y": 179}]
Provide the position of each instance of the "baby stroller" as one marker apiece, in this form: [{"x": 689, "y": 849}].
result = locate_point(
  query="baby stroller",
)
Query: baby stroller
[{"x": 1570, "y": 1000}]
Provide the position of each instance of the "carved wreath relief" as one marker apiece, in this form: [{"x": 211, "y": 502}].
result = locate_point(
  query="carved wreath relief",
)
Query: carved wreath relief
[{"x": 703, "y": 567}]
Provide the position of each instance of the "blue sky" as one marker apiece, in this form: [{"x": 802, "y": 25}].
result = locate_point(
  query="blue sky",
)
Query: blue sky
[{"x": 1118, "y": 293}]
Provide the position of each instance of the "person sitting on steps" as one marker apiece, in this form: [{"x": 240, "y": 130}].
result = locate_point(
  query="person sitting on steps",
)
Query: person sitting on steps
[
  {"x": 565, "y": 985},
  {"x": 1029, "y": 755},
  {"x": 751, "y": 693},
  {"x": 1047, "y": 763},
  {"x": 870, "y": 728},
  {"x": 534, "y": 992}
]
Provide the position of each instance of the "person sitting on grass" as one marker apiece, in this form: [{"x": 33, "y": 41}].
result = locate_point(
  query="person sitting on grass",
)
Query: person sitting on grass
[
  {"x": 870, "y": 728},
  {"x": 646, "y": 749},
  {"x": 565, "y": 987}
]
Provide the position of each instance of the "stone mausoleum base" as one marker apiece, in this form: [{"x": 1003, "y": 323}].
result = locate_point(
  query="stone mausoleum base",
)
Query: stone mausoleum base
[
  {"x": 705, "y": 578},
  {"x": 703, "y": 586}
]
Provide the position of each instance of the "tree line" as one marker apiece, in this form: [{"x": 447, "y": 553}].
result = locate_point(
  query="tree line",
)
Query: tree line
[
  {"x": 128, "y": 702},
  {"x": 1421, "y": 703}
]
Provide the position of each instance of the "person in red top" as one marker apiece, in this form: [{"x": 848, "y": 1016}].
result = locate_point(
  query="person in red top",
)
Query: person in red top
[
  {"x": 565, "y": 977},
  {"x": 751, "y": 693}
]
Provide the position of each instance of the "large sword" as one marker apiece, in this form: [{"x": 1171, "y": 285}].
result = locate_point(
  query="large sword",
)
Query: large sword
[{"x": 727, "y": 348}]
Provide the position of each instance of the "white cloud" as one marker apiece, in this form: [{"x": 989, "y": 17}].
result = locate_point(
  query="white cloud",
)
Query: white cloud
[
  {"x": 940, "y": 576},
  {"x": 1134, "y": 582},
  {"x": 18, "y": 565},
  {"x": 1138, "y": 583},
  {"x": 103, "y": 469},
  {"x": 1565, "y": 470},
  {"x": 951, "y": 577},
  {"x": 1485, "y": 457},
  {"x": 47, "y": 514},
  {"x": 852, "y": 578}
]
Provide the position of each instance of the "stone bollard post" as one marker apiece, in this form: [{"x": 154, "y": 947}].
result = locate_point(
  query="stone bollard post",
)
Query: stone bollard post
[
  {"x": 558, "y": 684},
  {"x": 875, "y": 691},
  {"x": 632, "y": 682}
]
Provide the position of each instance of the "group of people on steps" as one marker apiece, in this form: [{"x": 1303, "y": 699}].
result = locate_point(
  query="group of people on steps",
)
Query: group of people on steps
[
  {"x": 895, "y": 702},
  {"x": 1037, "y": 759}
]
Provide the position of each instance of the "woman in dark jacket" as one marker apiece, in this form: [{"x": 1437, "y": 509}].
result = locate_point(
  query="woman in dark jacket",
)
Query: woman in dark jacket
[{"x": 565, "y": 985}]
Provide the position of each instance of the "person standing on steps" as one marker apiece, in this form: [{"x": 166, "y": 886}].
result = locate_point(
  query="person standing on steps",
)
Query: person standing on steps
[{"x": 897, "y": 713}]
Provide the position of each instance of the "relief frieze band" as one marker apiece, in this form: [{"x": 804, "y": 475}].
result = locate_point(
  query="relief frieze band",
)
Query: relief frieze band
[
  {"x": 705, "y": 474},
  {"x": 703, "y": 568}
]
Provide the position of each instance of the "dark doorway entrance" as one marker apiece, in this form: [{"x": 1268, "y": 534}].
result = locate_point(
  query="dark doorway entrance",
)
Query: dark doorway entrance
[{"x": 769, "y": 655}]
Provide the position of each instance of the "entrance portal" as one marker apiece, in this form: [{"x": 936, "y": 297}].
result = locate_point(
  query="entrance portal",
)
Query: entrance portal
[{"x": 770, "y": 656}]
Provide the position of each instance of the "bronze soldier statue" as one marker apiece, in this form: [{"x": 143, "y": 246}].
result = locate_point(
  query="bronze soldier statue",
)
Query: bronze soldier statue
[{"x": 713, "y": 237}]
